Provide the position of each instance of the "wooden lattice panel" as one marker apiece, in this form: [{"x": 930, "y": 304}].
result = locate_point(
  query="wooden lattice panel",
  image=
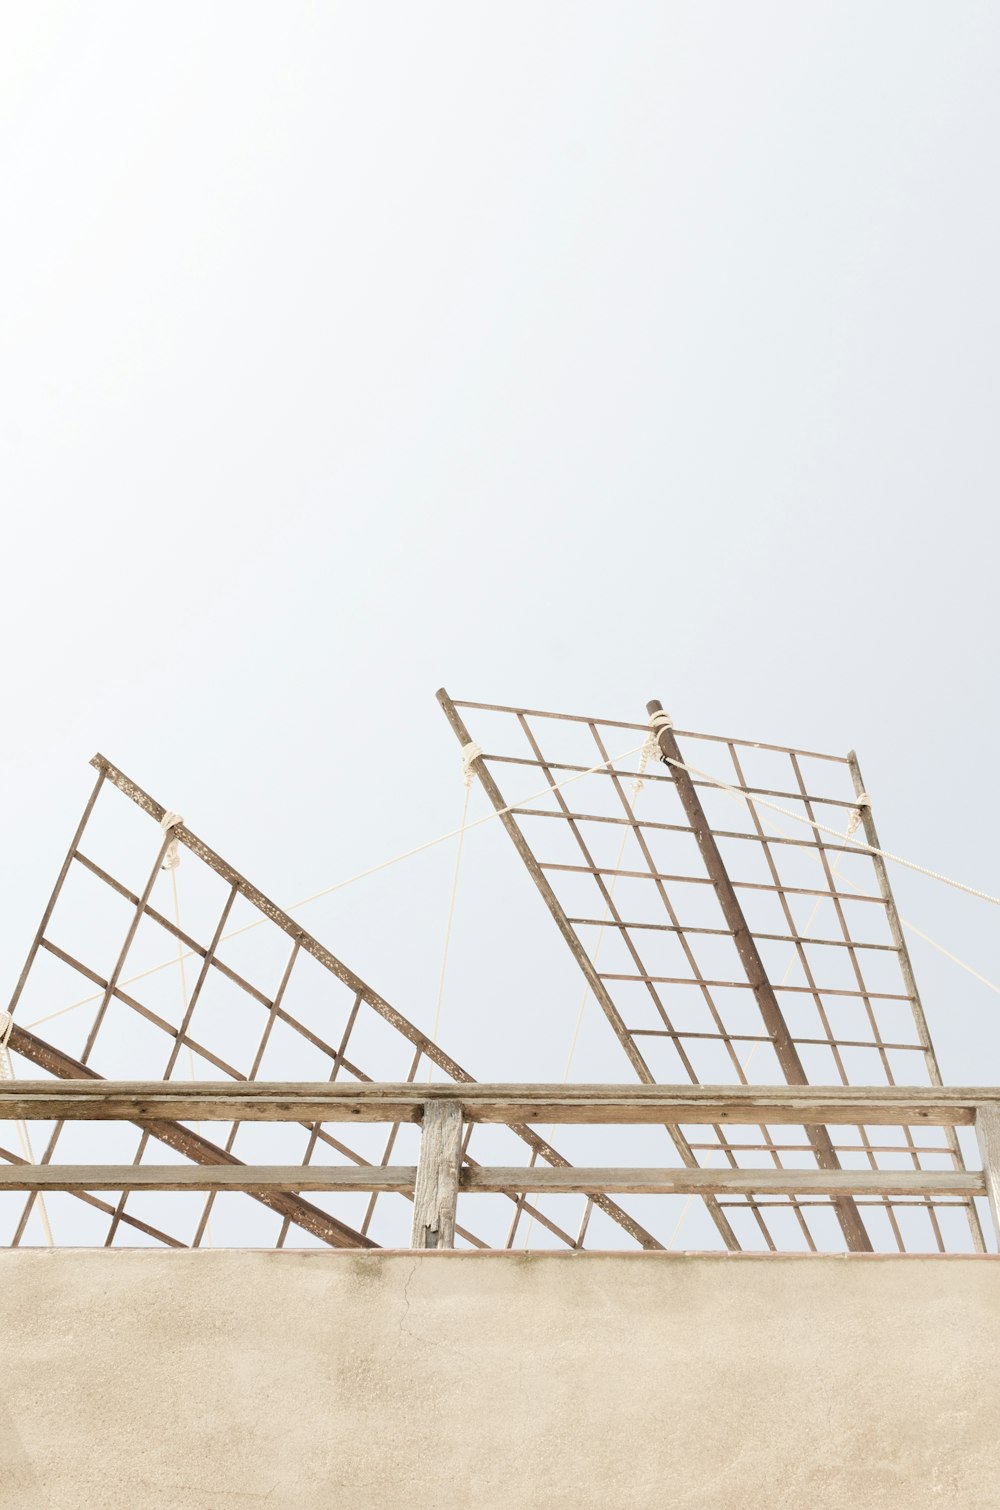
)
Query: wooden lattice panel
[{"x": 634, "y": 871}]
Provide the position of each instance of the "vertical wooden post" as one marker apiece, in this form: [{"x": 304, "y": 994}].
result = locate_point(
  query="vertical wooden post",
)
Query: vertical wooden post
[
  {"x": 436, "y": 1194},
  {"x": 988, "y": 1137}
]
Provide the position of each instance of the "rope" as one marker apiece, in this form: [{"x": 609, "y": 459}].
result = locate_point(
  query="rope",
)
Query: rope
[
  {"x": 824, "y": 828},
  {"x": 180, "y": 961},
  {"x": 470, "y": 754},
  {"x": 361, "y": 875},
  {"x": 646, "y": 754},
  {"x": 854, "y": 821},
  {"x": 948, "y": 954},
  {"x": 172, "y": 858}
]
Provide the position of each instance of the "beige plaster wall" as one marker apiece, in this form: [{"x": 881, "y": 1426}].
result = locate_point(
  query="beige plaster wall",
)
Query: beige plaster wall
[{"x": 210, "y": 1379}]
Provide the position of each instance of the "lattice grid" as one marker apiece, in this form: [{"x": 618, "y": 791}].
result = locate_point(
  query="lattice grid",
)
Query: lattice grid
[
  {"x": 240, "y": 991},
  {"x": 618, "y": 862}
]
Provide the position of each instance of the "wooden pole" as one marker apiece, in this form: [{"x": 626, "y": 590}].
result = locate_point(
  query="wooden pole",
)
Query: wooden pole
[{"x": 436, "y": 1193}]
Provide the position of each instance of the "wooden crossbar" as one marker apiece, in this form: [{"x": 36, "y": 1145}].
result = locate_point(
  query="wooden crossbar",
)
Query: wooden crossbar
[
  {"x": 296, "y": 1101},
  {"x": 509, "y": 1179}
]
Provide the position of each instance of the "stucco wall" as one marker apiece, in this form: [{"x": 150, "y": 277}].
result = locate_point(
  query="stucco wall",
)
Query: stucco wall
[{"x": 211, "y": 1379}]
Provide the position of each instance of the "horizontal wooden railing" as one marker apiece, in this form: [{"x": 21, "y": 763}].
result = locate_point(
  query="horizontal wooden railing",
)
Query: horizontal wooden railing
[
  {"x": 443, "y": 1110},
  {"x": 381, "y": 1101}
]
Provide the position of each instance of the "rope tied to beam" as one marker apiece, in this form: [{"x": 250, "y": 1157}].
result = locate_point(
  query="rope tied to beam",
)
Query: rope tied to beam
[
  {"x": 854, "y": 821},
  {"x": 649, "y": 749},
  {"x": 470, "y": 753},
  {"x": 6, "y": 1025},
  {"x": 172, "y": 858}
]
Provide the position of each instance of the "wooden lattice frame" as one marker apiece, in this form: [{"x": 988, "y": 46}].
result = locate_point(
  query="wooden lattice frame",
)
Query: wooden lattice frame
[
  {"x": 710, "y": 831},
  {"x": 359, "y": 999}
]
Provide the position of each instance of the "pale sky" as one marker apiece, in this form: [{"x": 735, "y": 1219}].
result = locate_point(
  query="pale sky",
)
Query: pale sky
[{"x": 566, "y": 355}]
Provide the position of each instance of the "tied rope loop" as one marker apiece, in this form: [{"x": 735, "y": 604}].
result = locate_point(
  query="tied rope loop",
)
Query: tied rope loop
[
  {"x": 649, "y": 749},
  {"x": 470, "y": 753},
  {"x": 172, "y": 858},
  {"x": 855, "y": 819},
  {"x": 657, "y": 721}
]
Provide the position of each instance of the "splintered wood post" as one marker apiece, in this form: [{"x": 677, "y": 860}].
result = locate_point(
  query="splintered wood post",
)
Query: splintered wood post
[
  {"x": 988, "y": 1137},
  {"x": 436, "y": 1193}
]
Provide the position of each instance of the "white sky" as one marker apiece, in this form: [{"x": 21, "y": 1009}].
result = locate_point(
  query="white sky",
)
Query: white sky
[{"x": 568, "y": 355}]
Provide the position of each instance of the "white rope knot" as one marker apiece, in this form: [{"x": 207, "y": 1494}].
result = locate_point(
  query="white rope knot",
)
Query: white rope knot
[
  {"x": 646, "y": 754},
  {"x": 172, "y": 858},
  {"x": 657, "y": 721},
  {"x": 853, "y": 823},
  {"x": 470, "y": 752}
]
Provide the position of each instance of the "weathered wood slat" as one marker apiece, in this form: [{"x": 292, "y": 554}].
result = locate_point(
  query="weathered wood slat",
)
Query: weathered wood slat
[
  {"x": 832, "y": 1182},
  {"x": 514, "y": 1178},
  {"x": 228, "y": 1100},
  {"x": 245, "y": 1177}
]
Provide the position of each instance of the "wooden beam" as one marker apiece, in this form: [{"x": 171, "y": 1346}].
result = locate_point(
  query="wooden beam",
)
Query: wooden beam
[
  {"x": 988, "y": 1137},
  {"x": 374, "y": 1101},
  {"x": 437, "y": 1212},
  {"x": 436, "y": 1191},
  {"x": 267, "y": 1178},
  {"x": 831, "y": 1182}
]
